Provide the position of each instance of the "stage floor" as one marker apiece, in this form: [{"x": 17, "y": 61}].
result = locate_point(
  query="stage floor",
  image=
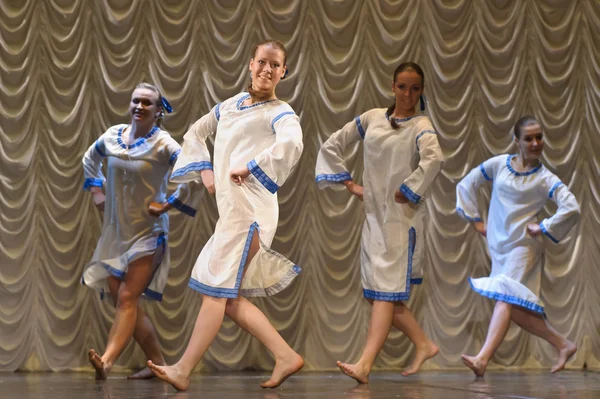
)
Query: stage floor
[{"x": 428, "y": 384}]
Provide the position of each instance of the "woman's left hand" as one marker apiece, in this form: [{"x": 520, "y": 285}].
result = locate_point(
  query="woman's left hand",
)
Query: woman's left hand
[
  {"x": 400, "y": 198},
  {"x": 156, "y": 209},
  {"x": 534, "y": 229},
  {"x": 239, "y": 175}
]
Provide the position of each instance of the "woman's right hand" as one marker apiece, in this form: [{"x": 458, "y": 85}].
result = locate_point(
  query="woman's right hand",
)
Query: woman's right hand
[
  {"x": 208, "y": 178},
  {"x": 480, "y": 227},
  {"x": 354, "y": 189},
  {"x": 98, "y": 197}
]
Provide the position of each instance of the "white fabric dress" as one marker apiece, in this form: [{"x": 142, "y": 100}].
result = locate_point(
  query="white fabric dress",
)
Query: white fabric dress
[
  {"x": 267, "y": 138},
  {"x": 138, "y": 174},
  {"x": 408, "y": 158},
  {"x": 517, "y": 199}
]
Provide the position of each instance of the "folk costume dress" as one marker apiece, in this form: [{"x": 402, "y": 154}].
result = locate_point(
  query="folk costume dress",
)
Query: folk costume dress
[
  {"x": 137, "y": 174},
  {"x": 517, "y": 199},
  {"x": 267, "y": 138},
  {"x": 408, "y": 158}
]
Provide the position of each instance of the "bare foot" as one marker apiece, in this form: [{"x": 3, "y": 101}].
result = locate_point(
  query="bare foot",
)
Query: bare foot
[
  {"x": 170, "y": 374},
  {"x": 424, "y": 353},
  {"x": 478, "y": 366},
  {"x": 563, "y": 355},
  {"x": 283, "y": 369},
  {"x": 143, "y": 374},
  {"x": 356, "y": 371},
  {"x": 98, "y": 364}
]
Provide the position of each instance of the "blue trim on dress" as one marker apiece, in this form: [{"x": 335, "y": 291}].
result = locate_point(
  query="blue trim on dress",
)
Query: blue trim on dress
[
  {"x": 297, "y": 269},
  {"x": 188, "y": 210},
  {"x": 241, "y": 107},
  {"x": 192, "y": 167},
  {"x": 484, "y": 173},
  {"x": 461, "y": 212},
  {"x": 228, "y": 292},
  {"x": 554, "y": 240},
  {"x": 98, "y": 149},
  {"x": 513, "y": 300},
  {"x": 400, "y": 120},
  {"x": 554, "y": 187},
  {"x": 359, "y": 125},
  {"x": 399, "y": 296},
  {"x": 174, "y": 157},
  {"x": 92, "y": 182},
  {"x": 338, "y": 177},
  {"x": 138, "y": 142},
  {"x": 410, "y": 194},
  {"x": 262, "y": 176},
  {"x": 281, "y": 115},
  {"x": 422, "y": 133},
  {"x": 514, "y": 172},
  {"x": 217, "y": 112}
]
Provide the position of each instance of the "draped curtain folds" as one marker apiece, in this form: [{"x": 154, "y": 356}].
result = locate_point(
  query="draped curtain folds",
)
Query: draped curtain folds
[{"x": 67, "y": 68}]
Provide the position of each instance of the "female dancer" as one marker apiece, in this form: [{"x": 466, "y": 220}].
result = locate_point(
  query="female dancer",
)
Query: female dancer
[
  {"x": 402, "y": 157},
  {"x": 522, "y": 186},
  {"x": 132, "y": 255},
  {"x": 258, "y": 140}
]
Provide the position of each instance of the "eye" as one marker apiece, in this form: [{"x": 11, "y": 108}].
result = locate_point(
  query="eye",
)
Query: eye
[
  {"x": 261, "y": 62},
  {"x": 401, "y": 87},
  {"x": 416, "y": 88}
]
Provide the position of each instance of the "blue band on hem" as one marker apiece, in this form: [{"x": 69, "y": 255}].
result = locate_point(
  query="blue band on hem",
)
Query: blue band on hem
[
  {"x": 192, "y": 167},
  {"x": 212, "y": 291},
  {"x": 513, "y": 300},
  {"x": 217, "y": 111},
  {"x": 338, "y": 177},
  {"x": 262, "y": 177},
  {"x": 462, "y": 213},
  {"x": 188, "y": 210},
  {"x": 546, "y": 232},
  {"x": 91, "y": 182},
  {"x": 409, "y": 194}
]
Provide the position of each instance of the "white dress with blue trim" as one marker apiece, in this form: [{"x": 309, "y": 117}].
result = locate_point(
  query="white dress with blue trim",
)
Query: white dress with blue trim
[
  {"x": 408, "y": 158},
  {"x": 267, "y": 138},
  {"x": 517, "y": 199},
  {"x": 138, "y": 174}
]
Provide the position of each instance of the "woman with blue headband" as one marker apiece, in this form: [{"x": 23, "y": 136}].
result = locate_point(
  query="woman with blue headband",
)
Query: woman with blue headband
[{"x": 132, "y": 254}]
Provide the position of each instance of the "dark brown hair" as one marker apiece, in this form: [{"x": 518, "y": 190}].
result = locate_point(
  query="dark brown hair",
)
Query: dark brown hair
[
  {"x": 527, "y": 120},
  {"x": 404, "y": 67}
]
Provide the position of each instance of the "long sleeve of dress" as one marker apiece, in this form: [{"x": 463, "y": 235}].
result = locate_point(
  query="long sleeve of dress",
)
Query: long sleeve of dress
[
  {"x": 557, "y": 226},
  {"x": 92, "y": 165},
  {"x": 431, "y": 161},
  {"x": 466, "y": 190},
  {"x": 194, "y": 156},
  {"x": 273, "y": 165},
  {"x": 331, "y": 166},
  {"x": 187, "y": 195}
]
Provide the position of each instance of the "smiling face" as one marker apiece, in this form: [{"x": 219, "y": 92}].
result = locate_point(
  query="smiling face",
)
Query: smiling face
[
  {"x": 144, "y": 107},
  {"x": 531, "y": 142},
  {"x": 407, "y": 88},
  {"x": 267, "y": 68}
]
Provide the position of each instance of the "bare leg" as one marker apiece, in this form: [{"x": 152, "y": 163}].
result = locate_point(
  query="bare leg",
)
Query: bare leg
[
  {"x": 537, "y": 325},
  {"x": 136, "y": 279},
  {"x": 207, "y": 326},
  {"x": 405, "y": 321},
  {"x": 497, "y": 331},
  {"x": 251, "y": 319},
  {"x": 144, "y": 334},
  {"x": 379, "y": 327}
]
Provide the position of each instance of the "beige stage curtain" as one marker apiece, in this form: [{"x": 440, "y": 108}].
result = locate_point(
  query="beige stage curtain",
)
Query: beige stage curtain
[{"x": 67, "y": 68}]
